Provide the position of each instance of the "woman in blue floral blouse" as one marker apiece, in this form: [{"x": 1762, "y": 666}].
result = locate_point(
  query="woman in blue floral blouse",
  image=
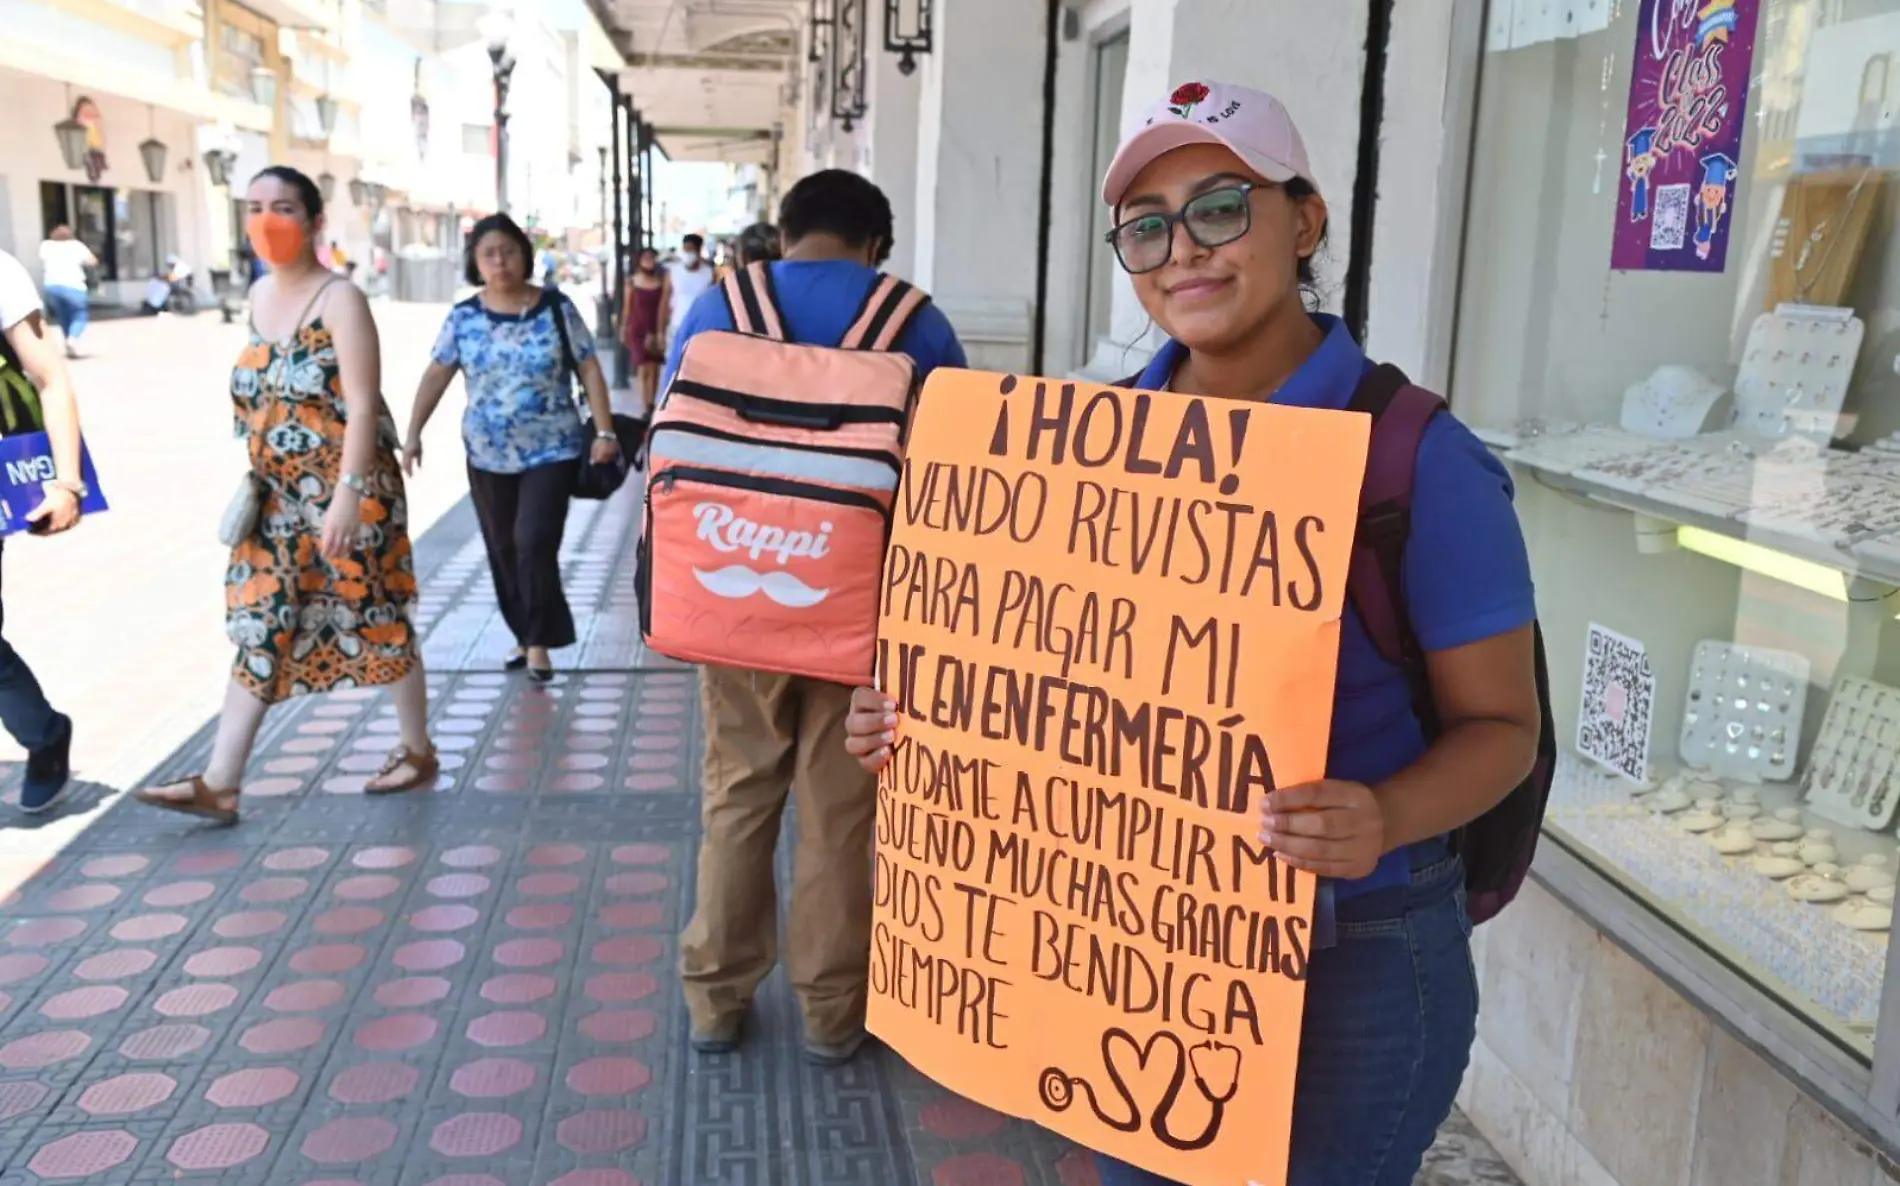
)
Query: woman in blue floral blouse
[{"x": 524, "y": 436}]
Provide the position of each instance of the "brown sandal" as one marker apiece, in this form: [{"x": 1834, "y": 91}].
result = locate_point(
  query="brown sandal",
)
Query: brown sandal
[
  {"x": 404, "y": 771},
  {"x": 220, "y": 807}
]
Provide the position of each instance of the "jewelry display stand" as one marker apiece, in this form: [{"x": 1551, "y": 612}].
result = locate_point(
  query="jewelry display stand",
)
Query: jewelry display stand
[
  {"x": 1852, "y": 777},
  {"x": 1795, "y": 371},
  {"x": 1743, "y": 716},
  {"x": 1673, "y": 403}
]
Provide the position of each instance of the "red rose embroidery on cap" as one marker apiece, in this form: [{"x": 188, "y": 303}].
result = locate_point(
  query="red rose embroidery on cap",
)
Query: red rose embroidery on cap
[{"x": 1189, "y": 95}]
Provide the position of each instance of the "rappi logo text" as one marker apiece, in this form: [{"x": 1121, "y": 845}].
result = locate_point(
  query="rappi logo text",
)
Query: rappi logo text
[{"x": 727, "y": 531}]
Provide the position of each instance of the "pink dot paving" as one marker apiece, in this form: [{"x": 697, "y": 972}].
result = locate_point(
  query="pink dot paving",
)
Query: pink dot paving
[
  {"x": 164, "y": 1041},
  {"x": 349, "y": 1140},
  {"x": 83, "y": 1154},
  {"x": 374, "y": 1083}
]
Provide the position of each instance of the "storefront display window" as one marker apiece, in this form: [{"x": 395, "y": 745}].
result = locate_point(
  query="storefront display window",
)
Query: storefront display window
[{"x": 1680, "y": 326}]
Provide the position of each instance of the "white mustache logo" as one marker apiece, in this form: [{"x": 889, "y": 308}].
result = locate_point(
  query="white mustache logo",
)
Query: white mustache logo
[{"x": 739, "y": 582}]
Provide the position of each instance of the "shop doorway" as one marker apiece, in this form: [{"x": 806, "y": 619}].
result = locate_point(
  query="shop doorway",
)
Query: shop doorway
[
  {"x": 129, "y": 230},
  {"x": 88, "y": 210}
]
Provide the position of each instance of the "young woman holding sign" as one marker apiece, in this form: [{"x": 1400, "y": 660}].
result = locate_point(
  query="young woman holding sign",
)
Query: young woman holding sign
[{"x": 1217, "y": 219}]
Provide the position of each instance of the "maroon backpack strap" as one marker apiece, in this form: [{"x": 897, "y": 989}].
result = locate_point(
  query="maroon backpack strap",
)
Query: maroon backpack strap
[{"x": 1376, "y": 582}]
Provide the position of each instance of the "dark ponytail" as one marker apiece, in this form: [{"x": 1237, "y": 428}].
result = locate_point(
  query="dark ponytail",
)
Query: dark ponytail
[
  {"x": 307, "y": 192},
  {"x": 1299, "y": 189}
]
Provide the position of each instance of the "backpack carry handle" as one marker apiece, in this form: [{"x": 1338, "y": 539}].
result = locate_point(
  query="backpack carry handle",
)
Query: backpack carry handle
[{"x": 787, "y": 415}]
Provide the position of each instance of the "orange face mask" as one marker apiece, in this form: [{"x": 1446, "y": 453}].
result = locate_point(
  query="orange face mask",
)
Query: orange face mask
[{"x": 278, "y": 239}]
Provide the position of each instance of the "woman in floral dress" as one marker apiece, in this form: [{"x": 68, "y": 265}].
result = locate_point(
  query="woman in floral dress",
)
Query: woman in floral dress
[{"x": 321, "y": 594}]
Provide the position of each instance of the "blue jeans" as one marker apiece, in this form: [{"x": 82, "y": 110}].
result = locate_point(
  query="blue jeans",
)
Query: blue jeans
[
  {"x": 1391, "y": 1012},
  {"x": 23, "y": 707},
  {"x": 68, "y": 308}
]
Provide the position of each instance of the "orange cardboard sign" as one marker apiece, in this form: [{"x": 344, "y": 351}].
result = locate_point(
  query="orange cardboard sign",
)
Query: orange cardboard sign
[{"x": 1111, "y": 622}]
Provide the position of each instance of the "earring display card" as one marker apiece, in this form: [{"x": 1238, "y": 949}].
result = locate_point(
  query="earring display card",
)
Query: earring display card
[
  {"x": 1619, "y": 699},
  {"x": 1743, "y": 715},
  {"x": 1851, "y": 777},
  {"x": 1795, "y": 371}
]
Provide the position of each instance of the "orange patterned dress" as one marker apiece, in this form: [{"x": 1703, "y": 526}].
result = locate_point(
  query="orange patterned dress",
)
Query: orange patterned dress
[{"x": 302, "y": 622}]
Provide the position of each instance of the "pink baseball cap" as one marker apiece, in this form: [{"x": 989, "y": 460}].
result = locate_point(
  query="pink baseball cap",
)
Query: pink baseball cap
[{"x": 1251, "y": 124}]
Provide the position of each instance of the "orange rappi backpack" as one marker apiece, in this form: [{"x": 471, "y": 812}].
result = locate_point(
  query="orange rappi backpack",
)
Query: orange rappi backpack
[{"x": 772, "y": 473}]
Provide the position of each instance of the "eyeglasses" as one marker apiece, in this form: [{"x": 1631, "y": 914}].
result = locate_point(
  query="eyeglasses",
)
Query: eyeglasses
[{"x": 1213, "y": 219}]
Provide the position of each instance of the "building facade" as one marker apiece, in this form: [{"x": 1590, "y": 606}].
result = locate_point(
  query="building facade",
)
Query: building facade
[
  {"x": 138, "y": 123},
  {"x": 1641, "y": 245}
]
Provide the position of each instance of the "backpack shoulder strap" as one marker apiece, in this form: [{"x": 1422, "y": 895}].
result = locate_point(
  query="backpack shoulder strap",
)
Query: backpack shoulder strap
[
  {"x": 1376, "y": 584},
  {"x": 754, "y": 303},
  {"x": 887, "y": 312},
  {"x": 1131, "y": 380},
  {"x": 558, "y": 308}
]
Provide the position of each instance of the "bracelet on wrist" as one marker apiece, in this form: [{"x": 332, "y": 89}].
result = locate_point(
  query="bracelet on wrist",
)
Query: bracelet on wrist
[{"x": 353, "y": 482}]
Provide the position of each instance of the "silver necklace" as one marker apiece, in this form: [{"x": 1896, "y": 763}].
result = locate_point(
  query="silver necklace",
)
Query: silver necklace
[{"x": 1817, "y": 234}]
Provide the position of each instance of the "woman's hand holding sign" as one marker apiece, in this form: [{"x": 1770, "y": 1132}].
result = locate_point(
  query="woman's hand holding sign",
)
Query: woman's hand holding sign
[
  {"x": 1330, "y": 828},
  {"x": 871, "y": 728}
]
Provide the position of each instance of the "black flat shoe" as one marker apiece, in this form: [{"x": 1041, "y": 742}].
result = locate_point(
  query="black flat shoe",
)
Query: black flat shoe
[
  {"x": 541, "y": 675},
  {"x": 516, "y": 661}
]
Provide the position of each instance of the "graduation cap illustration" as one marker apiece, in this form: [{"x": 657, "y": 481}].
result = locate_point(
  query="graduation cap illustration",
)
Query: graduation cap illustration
[{"x": 1719, "y": 168}]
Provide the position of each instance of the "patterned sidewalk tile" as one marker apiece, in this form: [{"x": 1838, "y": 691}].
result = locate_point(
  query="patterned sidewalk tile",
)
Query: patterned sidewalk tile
[{"x": 466, "y": 986}]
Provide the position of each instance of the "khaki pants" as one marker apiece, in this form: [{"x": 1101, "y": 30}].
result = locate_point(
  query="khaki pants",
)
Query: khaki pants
[{"x": 767, "y": 736}]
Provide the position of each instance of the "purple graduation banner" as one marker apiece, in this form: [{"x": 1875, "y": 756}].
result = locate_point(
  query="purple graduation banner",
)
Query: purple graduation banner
[
  {"x": 26, "y": 461},
  {"x": 1682, "y": 138}
]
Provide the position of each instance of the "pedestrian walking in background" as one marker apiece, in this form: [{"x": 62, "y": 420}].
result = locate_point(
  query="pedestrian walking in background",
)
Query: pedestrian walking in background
[
  {"x": 37, "y": 393},
  {"x": 642, "y": 321},
  {"x": 771, "y": 735},
  {"x": 519, "y": 348},
  {"x": 63, "y": 263},
  {"x": 758, "y": 243},
  {"x": 687, "y": 279},
  {"x": 1217, "y": 226},
  {"x": 321, "y": 590}
]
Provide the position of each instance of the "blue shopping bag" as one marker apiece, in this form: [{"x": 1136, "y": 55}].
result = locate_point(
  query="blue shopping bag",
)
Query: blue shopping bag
[{"x": 26, "y": 461}]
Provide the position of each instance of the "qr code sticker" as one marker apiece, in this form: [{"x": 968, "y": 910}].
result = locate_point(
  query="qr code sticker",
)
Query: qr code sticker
[
  {"x": 1669, "y": 223},
  {"x": 1619, "y": 698}
]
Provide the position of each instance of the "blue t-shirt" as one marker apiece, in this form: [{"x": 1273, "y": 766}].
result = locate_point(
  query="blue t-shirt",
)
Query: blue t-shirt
[
  {"x": 820, "y": 300},
  {"x": 1467, "y": 578},
  {"x": 522, "y": 411}
]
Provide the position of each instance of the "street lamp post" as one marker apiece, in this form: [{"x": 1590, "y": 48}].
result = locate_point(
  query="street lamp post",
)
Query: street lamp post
[
  {"x": 497, "y": 28},
  {"x": 604, "y": 229}
]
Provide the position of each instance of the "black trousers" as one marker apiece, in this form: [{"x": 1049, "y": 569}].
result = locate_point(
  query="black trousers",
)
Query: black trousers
[{"x": 523, "y": 517}]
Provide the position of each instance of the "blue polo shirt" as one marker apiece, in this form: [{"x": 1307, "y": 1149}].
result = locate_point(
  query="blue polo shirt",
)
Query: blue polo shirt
[
  {"x": 819, "y": 300},
  {"x": 1467, "y": 578}
]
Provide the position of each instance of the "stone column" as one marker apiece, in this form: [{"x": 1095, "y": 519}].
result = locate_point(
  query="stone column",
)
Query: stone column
[
  {"x": 979, "y": 173},
  {"x": 890, "y": 153}
]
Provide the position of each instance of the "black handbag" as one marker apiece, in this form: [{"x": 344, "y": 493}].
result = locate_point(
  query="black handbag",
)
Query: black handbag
[{"x": 594, "y": 481}]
